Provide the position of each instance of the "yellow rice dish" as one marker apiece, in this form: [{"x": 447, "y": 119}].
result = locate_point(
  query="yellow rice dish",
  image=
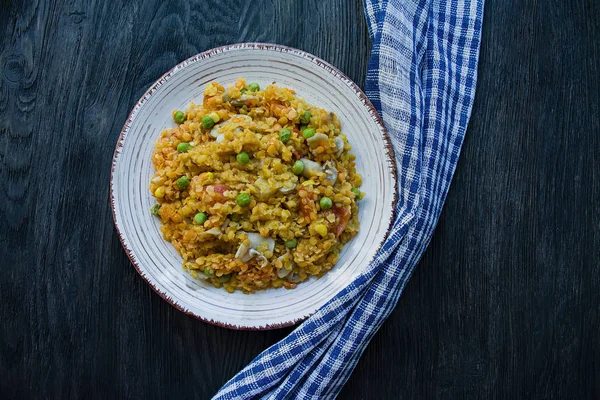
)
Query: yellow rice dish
[{"x": 255, "y": 188}]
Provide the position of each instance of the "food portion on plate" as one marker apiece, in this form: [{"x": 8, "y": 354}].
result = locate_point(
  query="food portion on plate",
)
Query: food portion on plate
[{"x": 255, "y": 188}]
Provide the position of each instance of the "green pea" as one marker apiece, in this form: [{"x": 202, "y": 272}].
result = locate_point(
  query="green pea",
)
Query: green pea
[
  {"x": 208, "y": 271},
  {"x": 224, "y": 278},
  {"x": 290, "y": 244},
  {"x": 183, "y": 182},
  {"x": 207, "y": 122},
  {"x": 243, "y": 158},
  {"x": 325, "y": 203},
  {"x": 154, "y": 209},
  {"x": 357, "y": 193},
  {"x": 305, "y": 118},
  {"x": 183, "y": 147},
  {"x": 253, "y": 87},
  {"x": 284, "y": 135},
  {"x": 308, "y": 133},
  {"x": 200, "y": 218},
  {"x": 298, "y": 167},
  {"x": 179, "y": 117},
  {"x": 243, "y": 199},
  {"x": 243, "y": 91}
]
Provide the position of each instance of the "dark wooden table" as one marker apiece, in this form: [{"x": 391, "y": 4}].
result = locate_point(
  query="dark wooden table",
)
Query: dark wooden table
[{"x": 505, "y": 303}]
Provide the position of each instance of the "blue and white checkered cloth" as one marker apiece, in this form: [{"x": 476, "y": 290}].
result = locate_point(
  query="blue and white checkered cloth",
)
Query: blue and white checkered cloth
[{"x": 422, "y": 76}]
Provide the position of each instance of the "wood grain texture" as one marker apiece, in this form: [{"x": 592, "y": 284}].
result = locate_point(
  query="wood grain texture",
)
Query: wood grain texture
[{"x": 505, "y": 303}]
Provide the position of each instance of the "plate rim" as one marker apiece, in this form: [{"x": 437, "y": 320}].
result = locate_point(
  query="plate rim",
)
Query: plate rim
[{"x": 327, "y": 67}]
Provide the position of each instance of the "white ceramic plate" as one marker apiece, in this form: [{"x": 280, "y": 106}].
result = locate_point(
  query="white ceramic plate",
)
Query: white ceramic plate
[{"x": 157, "y": 261}]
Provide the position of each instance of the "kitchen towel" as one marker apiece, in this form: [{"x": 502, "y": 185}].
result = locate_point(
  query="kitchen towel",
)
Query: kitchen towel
[{"x": 421, "y": 79}]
